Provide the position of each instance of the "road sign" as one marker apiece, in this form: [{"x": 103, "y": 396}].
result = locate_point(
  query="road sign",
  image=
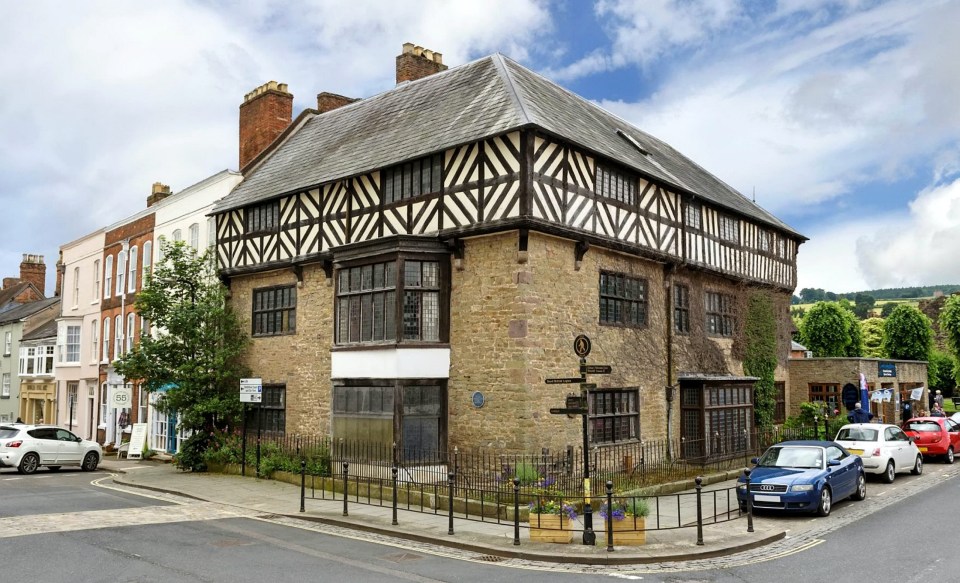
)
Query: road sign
[
  {"x": 251, "y": 386},
  {"x": 251, "y": 397},
  {"x": 576, "y": 411},
  {"x": 566, "y": 381},
  {"x": 581, "y": 345},
  {"x": 575, "y": 402},
  {"x": 588, "y": 386},
  {"x": 122, "y": 398},
  {"x": 596, "y": 369}
]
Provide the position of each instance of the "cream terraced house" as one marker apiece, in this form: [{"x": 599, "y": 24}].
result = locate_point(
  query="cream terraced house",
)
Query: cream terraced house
[{"x": 412, "y": 266}]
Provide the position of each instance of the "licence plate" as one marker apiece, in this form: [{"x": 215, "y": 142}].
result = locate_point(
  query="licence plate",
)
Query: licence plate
[
  {"x": 922, "y": 449},
  {"x": 856, "y": 451},
  {"x": 766, "y": 498}
]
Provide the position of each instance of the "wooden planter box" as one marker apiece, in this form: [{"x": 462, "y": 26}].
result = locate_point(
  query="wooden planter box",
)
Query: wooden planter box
[
  {"x": 626, "y": 532},
  {"x": 550, "y": 528}
]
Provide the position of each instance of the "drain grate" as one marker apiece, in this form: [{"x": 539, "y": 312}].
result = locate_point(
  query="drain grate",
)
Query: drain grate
[{"x": 490, "y": 559}]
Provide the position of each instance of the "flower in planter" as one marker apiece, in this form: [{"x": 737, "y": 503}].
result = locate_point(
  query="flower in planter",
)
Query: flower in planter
[
  {"x": 553, "y": 506},
  {"x": 624, "y": 507}
]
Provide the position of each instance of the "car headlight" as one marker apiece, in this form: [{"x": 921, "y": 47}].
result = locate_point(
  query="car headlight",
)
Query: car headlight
[
  {"x": 742, "y": 486},
  {"x": 801, "y": 488}
]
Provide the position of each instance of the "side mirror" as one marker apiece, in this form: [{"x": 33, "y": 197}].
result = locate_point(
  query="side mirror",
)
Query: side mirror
[
  {"x": 754, "y": 460},
  {"x": 79, "y": 439},
  {"x": 833, "y": 462}
]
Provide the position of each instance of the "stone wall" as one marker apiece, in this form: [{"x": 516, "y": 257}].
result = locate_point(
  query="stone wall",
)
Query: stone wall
[{"x": 301, "y": 361}]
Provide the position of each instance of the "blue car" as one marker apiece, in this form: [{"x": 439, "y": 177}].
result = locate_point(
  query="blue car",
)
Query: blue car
[{"x": 803, "y": 476}]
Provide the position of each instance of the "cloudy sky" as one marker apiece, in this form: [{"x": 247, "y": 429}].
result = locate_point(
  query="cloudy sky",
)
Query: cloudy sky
[{"x": 842, "y": 117}]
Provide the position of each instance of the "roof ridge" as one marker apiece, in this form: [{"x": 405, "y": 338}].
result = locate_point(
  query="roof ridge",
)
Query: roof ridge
[{"x": 513, "y": 90}]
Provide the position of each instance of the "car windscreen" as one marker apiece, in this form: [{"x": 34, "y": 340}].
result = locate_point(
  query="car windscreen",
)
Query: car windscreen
[
  {"x": 792, "y": 457},
  {"x": 7, "y": 432},
  {"x": 857, "y": 434},
  {"x": 923, "y": 426}
]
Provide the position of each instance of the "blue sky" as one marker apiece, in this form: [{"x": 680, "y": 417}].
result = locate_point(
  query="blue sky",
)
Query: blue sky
[{"x": 839, "y": 116}]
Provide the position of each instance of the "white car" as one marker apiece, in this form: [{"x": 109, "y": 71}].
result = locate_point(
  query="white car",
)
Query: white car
[
  {"x": 27, "y": 447},
  {"x": 885, "y": 449}
]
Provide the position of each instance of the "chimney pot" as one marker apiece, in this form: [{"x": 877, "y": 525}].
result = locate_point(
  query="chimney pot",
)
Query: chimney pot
[
  {"x": 416, "y": 62},
  {"x": 264, "y": 114},
  {"x": 33, "y": 270},
  {"x": 407, "y": 48}
]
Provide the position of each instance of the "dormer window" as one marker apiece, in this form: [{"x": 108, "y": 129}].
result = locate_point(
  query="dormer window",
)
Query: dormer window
[
  {"x": 263, "y": 217},
  {"x": 410, "y": 179}
]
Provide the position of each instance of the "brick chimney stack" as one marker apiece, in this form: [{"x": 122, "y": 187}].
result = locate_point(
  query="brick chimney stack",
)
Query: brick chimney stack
[
  {"x": 33, "y": 270},
  {"x": 330, "y": 101},
  {"x": 416, "y": 62},
  {"x": 157, "y": 193},
  {"x": 264, "y": 114},
  {"x": 60, "y": 269}
]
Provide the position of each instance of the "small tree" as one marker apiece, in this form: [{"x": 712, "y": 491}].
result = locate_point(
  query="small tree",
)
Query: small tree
[
  {"x": 872, "y": 332},
  {"x": 907, "y": 334},
  {"x": 942, "y": 371},
  {"x": 831, "y": 329},
  {"x": 195, "y": 352},
  {"x": 950, "y": 324}
]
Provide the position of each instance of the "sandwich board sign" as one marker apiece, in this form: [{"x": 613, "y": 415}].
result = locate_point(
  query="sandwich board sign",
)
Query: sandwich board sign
[{"x": 138, "y": 438}]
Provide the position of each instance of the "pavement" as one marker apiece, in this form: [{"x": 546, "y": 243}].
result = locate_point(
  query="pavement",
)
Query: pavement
[{"x": 260, "y": 496}]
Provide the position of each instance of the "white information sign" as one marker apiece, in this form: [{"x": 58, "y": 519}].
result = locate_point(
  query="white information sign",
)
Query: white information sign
[
  {"x": 122, "y": 398},
  {"x": 251, "y": 390},
  {"x": 138, "y": 439}
]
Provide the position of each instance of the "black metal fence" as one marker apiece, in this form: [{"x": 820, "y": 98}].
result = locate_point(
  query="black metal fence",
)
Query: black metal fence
[{"x": 636, "y": 466}]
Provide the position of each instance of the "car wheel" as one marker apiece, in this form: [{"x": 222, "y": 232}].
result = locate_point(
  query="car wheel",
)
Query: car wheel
[
  {"x": 949, "y": 458},
  {"x": 861, "y": 491},
  {"x": 890, "y": 473},
  {"x": 53, "y": 468},
  {"x": 826, "y": 502},
  {"x": 918, "y": 466},
  {"x": 90, "y": 462},
  {"x": 29, "y": 463}
]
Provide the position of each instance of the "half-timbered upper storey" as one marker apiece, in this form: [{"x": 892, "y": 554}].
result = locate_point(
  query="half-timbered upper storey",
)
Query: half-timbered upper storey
[{"x": 483, "y": 147}]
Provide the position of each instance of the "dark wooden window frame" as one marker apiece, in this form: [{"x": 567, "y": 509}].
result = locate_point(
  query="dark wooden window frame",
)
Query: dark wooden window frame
[
  {"x": 287, "y": 312},
  {"x": 616, "y": 184},
  {"x": 719, "y": 314},
  {"x": 412, "y": 179},
  {"x": 619, "y": 306},
  {"x": 607, "y": 426},
  {"x": 707, "y": 404},
  {"x": 693, "y": 215},
  {"x": 825, "y": 393},
  {"x": 262, "y": 218},
  {"x": 400, "y": 291},
  {"x": 272, "y": 410},
  {"x": 681, "y": 308},
  {"x": 729, "y": 229},
  {"x": 780, "y": 401}
]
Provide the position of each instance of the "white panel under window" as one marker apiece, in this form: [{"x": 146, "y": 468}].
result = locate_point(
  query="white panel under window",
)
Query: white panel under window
[{"x": 391, "y": 363}]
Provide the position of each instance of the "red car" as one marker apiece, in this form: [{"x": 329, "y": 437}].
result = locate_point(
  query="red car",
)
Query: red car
[{"x": 934, "y": 436}]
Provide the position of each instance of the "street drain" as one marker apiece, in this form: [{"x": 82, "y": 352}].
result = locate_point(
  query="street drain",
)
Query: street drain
[{"x": 490, "y": 558}]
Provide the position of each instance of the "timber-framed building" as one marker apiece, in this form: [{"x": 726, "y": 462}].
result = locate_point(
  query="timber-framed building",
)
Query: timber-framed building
[{"x": 413, "y": 265}]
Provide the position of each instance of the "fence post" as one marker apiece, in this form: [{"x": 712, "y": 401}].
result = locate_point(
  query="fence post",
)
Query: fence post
[
  {"x": 746, "y": 473},
  {"x": 610, "y": 516},
  {"x": 516, "y": 511},
  {"x": 303, "y": 484},
  {"x": 699, "y": 481},
  {"x": 394, "y": 471},
  {"x": 826, "y": 427},
  {"x": 345, "y": 468},
  {"x": 450, "y": 478}
]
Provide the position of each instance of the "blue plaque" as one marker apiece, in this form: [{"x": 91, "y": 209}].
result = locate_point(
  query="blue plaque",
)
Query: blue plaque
[{"x": 478, "y": 399}]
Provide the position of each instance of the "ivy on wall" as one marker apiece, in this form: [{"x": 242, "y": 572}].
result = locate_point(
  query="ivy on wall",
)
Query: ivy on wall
[{"x": 760, "y": 355}]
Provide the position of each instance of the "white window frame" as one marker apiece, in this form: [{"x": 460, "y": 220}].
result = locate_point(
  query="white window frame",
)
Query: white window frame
[
  {"x": 131, "y": 328},
  {"x": 105, "y": 357},
  {"x": 28, "y": 361},
  {"x": 75, "y": 344},
  {"x": 94, "y": 340},
  {"x": 195, "y": 236},
  {"x": 73, "y": 392},
  {"x": 211, "y": 232},
  {"x": 177, "y": 235},
  {"x": 147, "y": 259},
  {"x": 5, "y": 386},
  {"x": 96, "y": 281},
  {"x": 132, "y": 270},
  {"x": 108, "y": 277},
  {"x": 121, "y": 272},
  {"x": 117, "y": 337},
  {"x": 76, "y": 287},
  {"x": 7, "y": 343}
]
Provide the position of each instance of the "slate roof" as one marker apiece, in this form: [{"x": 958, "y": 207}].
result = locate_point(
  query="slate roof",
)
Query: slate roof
[
  {"x": 26, "y": 310},
  {"x": 8, "y": 294},
  {"x": 48, "y": 330},
  {"x": 463, "y": 104}
]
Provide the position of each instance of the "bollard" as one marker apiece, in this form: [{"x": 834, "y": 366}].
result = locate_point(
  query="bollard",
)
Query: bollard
[
  {"x": 345, "y": 467},
  {"x": 746, "y": 473},
  {"x": 450, "y": 477},
  {"x": 303, "y": 484},
  {"x": 610, "y": 516},
  {"x": 826, "y": 427},
  {"x": 699, "y": 483},
  {"x": 394, "y": 471},
  {"x": 516, "y": 511}
]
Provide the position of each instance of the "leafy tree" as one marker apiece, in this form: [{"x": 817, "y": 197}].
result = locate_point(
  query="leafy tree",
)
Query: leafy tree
[
  {"x": 942, "y": 371},
  {"x": 830, "y": 297},
  {"x": 830, "y": 329},
  {"x": 872, "y": 332},
  {"x": 907, "y": 334},
  {"x": 795, "y": 299},
  {"x": 950, "y": 324},
  {"x": 760, "y": 358},
  {"x": 196, "y": 351}
]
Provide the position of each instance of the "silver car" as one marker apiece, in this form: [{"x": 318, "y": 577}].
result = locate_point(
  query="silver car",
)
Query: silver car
[
  {"x": 27, "y": 447},
  {"x": 885, "y": 449}
]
